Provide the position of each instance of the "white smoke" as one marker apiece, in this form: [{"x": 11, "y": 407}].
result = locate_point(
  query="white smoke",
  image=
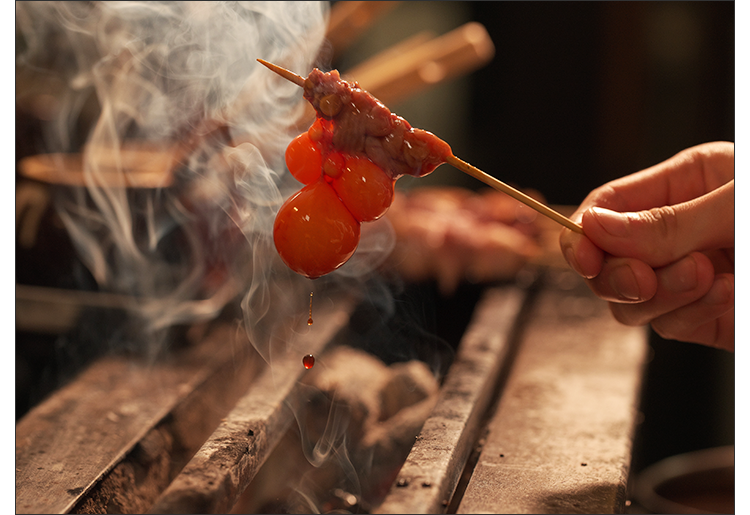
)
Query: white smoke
[
  {"x": 174, "y": 88},
  {"x": 175, "y": 79}
]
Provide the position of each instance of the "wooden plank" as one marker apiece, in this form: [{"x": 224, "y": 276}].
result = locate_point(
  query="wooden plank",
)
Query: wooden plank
[
  {"x": 56, "y": 311},
  {"x": 216, "y": 476},
  {"x": 560, "y": 441},
  {"x": 349, "y": 20},
  {"x": 431, "y": 472},
  {"x": 72, "y": 441}
]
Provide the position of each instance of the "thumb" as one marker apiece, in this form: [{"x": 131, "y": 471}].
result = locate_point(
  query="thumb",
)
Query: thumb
[{"x": 662, "y": 235}]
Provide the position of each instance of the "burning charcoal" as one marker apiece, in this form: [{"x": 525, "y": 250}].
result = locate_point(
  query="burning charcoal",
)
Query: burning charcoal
[
  {"x": 409, "y": 384},
  {"x": 364, "y": 416}
]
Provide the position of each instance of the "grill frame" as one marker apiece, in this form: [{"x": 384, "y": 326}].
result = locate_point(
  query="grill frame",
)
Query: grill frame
[{"x": 513, "y": 330}]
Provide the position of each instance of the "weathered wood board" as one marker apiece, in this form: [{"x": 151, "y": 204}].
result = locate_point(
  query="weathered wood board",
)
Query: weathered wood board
[
  {"x": 560, "y": 440},
  {"x": 70, "y": 444},
  {"x": 214, "y": 479},
  {"x": 433, "y": 468}
]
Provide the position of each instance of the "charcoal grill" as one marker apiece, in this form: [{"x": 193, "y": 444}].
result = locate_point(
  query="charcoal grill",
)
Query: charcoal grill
[{"x": 536, "y": 413}]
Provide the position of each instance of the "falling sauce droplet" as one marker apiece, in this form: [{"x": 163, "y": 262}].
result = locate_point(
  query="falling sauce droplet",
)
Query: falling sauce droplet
[
  {"x": 308, "y": 361},
  {"x": 310, "y": 320}
]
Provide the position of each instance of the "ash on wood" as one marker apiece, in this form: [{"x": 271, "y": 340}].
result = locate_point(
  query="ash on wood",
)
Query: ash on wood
[
  {"x": 114, "y": 437},
  {"x": 560, "y": 441},
  {"x": 431, "y": 472},
  {"x": 221, "y": 470}
]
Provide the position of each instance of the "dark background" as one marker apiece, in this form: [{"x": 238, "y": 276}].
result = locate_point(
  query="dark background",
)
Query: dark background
[{"x": 582, "y": 93}]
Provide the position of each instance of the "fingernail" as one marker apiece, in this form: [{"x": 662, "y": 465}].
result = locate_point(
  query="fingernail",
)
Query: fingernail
[
  {"x": 616, "y": 224},
  {"x": 623, "y": 282},
  {"x": 681, "y": 276},
  {"x": 720, "y": 292},
  {"x": 570, "y": 257}
]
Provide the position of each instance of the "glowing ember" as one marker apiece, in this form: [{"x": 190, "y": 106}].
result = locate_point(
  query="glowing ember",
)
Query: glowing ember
[{"x": 308, "y": 361}]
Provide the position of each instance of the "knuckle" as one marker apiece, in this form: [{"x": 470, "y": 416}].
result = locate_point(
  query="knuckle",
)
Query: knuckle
[
  {"x": 666, "y": 330},
  {"x": 662, "y": 227},
  {"x": 608, "y": 196},
  {"x": 663, "y": 220},
  {"x": 625, "y": 314}
]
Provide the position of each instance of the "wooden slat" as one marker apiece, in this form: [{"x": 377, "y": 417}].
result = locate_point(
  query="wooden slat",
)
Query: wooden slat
[
  {"x": 70, "y": 443},
  {"x": 214, "y": 479},
  {"x": 349, "y": 20},
  {"x": 432, "y": 470},
  {"x": 42, "y": 309},
  {"x": 420, "y": 66},
  {"x": 560, "y": 441}
]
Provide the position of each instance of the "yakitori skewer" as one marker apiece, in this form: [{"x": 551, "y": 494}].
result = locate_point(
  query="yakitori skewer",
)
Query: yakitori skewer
[{"x": 464, "y": 167}]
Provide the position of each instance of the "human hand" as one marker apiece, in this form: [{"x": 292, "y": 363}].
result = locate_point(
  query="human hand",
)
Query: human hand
[{"x": 659, "y": 246}]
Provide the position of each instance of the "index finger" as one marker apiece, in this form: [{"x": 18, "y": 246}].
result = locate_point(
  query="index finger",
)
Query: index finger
[
  {"x": 685, "y": 176},
  {"x": 689, "y": 174}
]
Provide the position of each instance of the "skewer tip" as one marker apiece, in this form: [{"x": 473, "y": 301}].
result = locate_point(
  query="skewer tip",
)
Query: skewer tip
[{"x": 287, "y": 74}]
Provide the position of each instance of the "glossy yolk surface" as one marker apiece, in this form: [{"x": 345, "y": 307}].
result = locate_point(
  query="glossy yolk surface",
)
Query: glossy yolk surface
[
  {"x": 314, "y": 232},
  {"x": 364, "y": 189},
  {"x": 304, "y": 159}
]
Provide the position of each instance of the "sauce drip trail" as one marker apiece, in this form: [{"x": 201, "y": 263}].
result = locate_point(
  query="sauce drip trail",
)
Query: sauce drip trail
[{"x": 310, "y": 318}]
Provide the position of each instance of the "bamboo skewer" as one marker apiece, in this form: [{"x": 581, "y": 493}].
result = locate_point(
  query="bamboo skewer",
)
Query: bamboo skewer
[
  {"x": 519, "y": 196},
  {"x": 465, "y": 167},
  {"x": 299, "y": 80}
]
